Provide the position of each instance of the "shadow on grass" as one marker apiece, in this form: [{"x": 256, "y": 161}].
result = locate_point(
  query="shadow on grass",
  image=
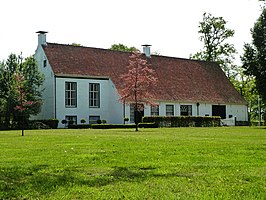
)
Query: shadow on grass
[{"x": 39, "y": 180}]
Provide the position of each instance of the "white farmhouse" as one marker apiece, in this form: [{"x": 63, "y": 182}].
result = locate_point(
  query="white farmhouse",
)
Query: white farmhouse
[{"x": 83, "y": 83}]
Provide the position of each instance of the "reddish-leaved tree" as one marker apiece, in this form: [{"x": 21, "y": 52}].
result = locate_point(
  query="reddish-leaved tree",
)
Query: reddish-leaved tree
[
  {"x": 22, "y": 103},
  {"x": 138, "y": 83}
]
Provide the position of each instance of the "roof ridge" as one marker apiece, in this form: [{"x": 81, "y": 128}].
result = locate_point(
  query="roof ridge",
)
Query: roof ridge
[
  {"x": 86, "y": 47},
  {"x": 128, "y": 52}
]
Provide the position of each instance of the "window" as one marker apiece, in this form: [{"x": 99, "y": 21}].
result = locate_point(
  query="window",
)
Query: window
[
  {"x": 169, "y": 110},
  {"x": 186, "y": 110},
  {"x": 155, "y": 110},
  {"x": 71, "y": 94},
  {"x": 136, "y": 115},
  {"x": 93, "y": 119},
  {"x": 219, "y": 110},
  {"x": 94, "y": 95},
  {"x": 44, "y": 63},
  {"x": 71, "y": 119},
  {"x": 132, "y": 112}
]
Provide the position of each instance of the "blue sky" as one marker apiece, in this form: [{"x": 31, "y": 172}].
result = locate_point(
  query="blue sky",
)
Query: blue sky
[{"x": 170, "y": 26}]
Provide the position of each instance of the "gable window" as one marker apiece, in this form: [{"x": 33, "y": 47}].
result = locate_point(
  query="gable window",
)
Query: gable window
[
  {"x": 44, "y": 63},
  {"x": 186, "y": 110},
  {"x": 94, "y": 95},
  {"x": 155, "y": 110},
  {"x": 71, "y": 94},
  {"x": 169, "y": 110}
]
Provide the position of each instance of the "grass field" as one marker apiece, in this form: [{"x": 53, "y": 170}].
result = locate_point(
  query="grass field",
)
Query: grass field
[{"x": 164, "y": 163}]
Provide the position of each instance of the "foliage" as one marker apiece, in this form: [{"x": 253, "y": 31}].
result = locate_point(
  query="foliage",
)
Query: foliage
[
  {"x": 112, "y": 126},
  {"x": 138, "y": 82},
  {"x": 164, "y": 163},
  {"x": 52, "y": 123},
  {"x": 245, "y": 85},
  {"x": 83, "y": 121},
  {"x": 122, "y": 47},
  {"x": 79, "y": 126},
  {"x": 20, "y": 93},
  {"x": 214, "y": 34},
  {"x": 183, "y": 121},
  {"x": 254, "y": 58}
]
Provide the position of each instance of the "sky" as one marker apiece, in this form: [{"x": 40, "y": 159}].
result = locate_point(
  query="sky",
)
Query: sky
[{"x": 170, "y": 26}]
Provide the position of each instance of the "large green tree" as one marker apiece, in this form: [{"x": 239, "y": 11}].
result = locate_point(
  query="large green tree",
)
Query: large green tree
[
  {"x": 20, "y": 83},
  {"x": 122, "y": 47},
  {"x": 214, "y": 34},
  {"x": 255, "y": 54}
]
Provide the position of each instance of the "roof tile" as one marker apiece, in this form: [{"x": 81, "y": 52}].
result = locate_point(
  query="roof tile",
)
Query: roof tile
[{"x": 179, "y": 79}]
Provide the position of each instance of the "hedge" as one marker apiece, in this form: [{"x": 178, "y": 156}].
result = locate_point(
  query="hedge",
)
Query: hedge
[
  {"x": 79, "y": 126},
  {"x": 183, "y": 121},
  {"x": 112, "y": 126},
  {"x": 52, "y": 123}
]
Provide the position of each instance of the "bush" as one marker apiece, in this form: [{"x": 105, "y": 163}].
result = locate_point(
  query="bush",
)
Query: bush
[
  {"x": 79, "y": 126},
  {"x": 148, "y": 125},
  {"x": 83, "y": 121},
  {"x": 111, "y": 126},
  {"x": 184, "y": 121},
  {"x": 52, "y": 123}
]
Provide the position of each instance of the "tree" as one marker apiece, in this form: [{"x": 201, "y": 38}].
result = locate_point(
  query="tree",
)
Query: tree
[
  {"x": 20, "y": 83},
  {"x": 138, "y": 83},
  {"x": 122, "y": 47},
  {"x": 254, "y": 58},
  {"x": 214, "y": 34}
]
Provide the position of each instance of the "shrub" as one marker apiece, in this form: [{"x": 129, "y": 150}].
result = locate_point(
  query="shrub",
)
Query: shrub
[
  {"x": 83, "y": 121},
  {"x": 52, "y": 123},
  {"x": 79, "y": 126},
  {"x": 148, "y": 125},
  {"x": 111, "y": 126},
  {"x": 70, "y": 122},
  {"x": 99, "y": 121},
  {"x": 183, "y": 121}
]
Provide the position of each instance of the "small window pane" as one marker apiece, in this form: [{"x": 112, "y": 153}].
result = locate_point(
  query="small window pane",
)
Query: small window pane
[
  {"x": 94, "y": 95},
  {"x": 186, "y": 110},
  {"x": 155, "y": 110},
  {"x": 71, "y": 94},
  {"x": 169, "y": 110}
]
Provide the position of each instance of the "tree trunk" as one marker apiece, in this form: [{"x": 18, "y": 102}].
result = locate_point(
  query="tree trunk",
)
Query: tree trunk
[{"x": 137, "y": 127}]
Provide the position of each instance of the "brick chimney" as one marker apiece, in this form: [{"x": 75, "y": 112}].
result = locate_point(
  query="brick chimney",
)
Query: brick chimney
[
  {"x": 41, "y": 37},
  {"x": 147, "y": 50}
]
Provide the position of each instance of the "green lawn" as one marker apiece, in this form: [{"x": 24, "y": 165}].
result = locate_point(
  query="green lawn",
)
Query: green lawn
[{"x": 164, "y": 163}]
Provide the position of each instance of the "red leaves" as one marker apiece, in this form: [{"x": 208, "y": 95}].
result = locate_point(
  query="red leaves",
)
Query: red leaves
[
  {"x": 21, "y": 94},
  {"x": 138, "y": 81}
]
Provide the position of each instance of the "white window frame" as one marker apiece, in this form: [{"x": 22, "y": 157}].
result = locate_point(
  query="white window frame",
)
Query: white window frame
[
  {"x": 155, "y": 110},
  {"x": 94, "y": 95},
  {"x": 71, "y": 94},
  {"x": 186, "y": 109},
  {"x": 71, "y": 117},
  {"x": 169, "y": 110}
]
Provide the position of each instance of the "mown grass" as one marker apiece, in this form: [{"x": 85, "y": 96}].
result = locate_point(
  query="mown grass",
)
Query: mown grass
[{"x": 181, "y": 163}]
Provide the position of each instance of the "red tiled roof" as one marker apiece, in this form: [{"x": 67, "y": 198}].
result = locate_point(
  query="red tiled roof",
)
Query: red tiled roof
[{"x": 181, "y": 80}]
